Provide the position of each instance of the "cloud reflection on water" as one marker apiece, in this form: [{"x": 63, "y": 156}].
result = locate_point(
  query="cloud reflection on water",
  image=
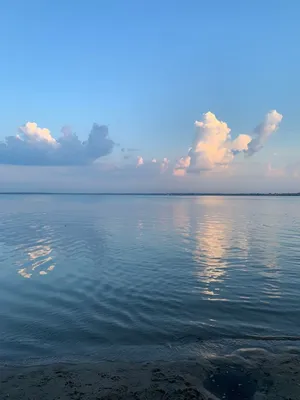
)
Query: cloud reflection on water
[
  {"x": 39, "y": 260},
  {"x": 211, "y": 236},
  {"x": 202, "y": 228},
  {"x": 225, "y": 239}
]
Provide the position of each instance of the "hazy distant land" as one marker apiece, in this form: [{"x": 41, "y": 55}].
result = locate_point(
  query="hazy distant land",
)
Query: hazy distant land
[{"x": 150, "y": 194}]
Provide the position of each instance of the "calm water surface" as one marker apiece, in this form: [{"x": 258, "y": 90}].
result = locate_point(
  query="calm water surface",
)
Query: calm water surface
[{"x": 81, "y": 274}]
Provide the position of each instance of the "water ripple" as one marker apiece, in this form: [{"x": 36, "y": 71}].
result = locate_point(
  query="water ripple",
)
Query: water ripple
[{"x": 80, "y": 273}]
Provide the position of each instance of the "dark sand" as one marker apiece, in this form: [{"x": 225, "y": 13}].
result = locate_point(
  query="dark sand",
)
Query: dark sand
[{"x": 244, "y": 375}]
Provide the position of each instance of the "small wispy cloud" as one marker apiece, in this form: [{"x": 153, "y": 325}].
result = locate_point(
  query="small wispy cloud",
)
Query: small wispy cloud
[
  {"x": 275, "y": 172},
  {"x": 140, "y": 161},
  {"x": 164, "y": 164}
]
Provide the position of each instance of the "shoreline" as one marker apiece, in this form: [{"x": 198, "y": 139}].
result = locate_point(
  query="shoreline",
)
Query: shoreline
[{"x": 246, "y": 374}]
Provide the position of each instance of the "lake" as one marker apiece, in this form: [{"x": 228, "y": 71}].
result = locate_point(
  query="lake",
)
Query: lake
[{"x": 137, "y": 276}]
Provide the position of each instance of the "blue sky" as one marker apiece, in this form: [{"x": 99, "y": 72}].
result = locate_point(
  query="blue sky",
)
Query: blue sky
[{"x": 148, "y": 70}]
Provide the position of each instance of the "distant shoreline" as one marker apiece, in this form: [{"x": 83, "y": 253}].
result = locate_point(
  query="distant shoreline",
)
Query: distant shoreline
[{"x": 150, "y": 194}]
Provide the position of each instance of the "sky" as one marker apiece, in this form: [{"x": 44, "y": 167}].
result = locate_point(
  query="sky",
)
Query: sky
[{"x": 149, "y": 96}]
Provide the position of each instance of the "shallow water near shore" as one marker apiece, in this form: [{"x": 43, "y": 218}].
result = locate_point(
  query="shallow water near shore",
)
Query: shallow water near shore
[
  {"x": 248, "y": 374},
  {"x": 137, "y": 278}
]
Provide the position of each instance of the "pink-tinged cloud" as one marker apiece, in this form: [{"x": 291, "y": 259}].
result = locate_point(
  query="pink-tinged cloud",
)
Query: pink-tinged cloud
[
  {"x": 179, "y": 172},
  {"x": 213, "y": 147},
  {"x": 181, "y": 166},
  {"x": 209, "y": 149},
  {"x": 140, "y": 161},
  {"x": 34, "y": 133},
  {"x": 275, "y": 172},
  {"x": 241, "y": 143}
]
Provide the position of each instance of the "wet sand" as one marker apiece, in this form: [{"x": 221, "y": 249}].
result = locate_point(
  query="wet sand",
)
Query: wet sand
[{"x": 245, "y": 374}]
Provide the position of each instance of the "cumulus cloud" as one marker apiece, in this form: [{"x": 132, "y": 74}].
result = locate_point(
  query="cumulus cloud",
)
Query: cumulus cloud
[
  {"x": 182, "y": 165},
  {"x": 209, "y": 148},
  {"x": 241, "y": 143},
  {"x": 33, "y": 133},
  {"x": 155, "y": 165},
  {"x": 213, "y": 147},
  {"x": 263, "y": 131},
  {"x": 36, "y": 146},
  {"x": 66, "y": 130}
]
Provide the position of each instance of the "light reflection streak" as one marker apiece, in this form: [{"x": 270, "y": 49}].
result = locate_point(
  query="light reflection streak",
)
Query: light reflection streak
[
  {"x": 39, "y": 258},
  {"x": 211, "y": 236},
  {"x": 209, "y": 253}
]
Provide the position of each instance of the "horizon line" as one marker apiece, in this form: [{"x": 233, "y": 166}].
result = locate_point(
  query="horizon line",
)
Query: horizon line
[{"x": 152, "y": 193}]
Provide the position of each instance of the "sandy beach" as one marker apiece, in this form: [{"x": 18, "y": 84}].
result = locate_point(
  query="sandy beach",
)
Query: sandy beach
[{"x": 245, "y": 374}]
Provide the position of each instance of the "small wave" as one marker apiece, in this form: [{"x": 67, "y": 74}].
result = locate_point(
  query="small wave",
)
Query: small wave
[{"x": 266, "y": 338}]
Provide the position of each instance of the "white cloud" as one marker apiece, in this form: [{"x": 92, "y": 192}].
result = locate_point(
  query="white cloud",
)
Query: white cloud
[
  {"x": 241, "y": 143},
  {"x": 209, "y": 148},
  {"x": 213, "y": 147},
  {"x": 36, "y": 146},
  {"x": 152, "y": 165},
  {"x": 164, "y": 165},
  {"x": 263, "y": 131},
  {"x": 34, "y": 133}
]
